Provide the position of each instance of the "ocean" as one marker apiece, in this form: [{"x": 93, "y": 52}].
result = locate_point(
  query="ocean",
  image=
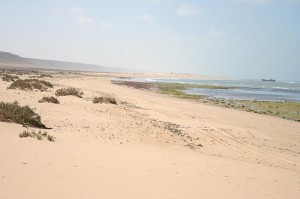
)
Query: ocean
[{"x": 241, "y": 89}]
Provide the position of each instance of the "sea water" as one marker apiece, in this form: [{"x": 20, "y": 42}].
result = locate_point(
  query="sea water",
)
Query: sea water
[{"x": 240, "y": 89}]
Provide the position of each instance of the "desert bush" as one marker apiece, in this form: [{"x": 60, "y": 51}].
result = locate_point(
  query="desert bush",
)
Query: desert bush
[
  {"x": 39, "y": 135},
  {"x": 105, "y": 99},
  {"x": 41, "y": 76},
  {"x": 49, "y": 100},
  {"x": 30, "y": 84},
  {"x": 45, "y": 134},
  {"x": 51, "y": 138},
  {"x": 25, "y": 134},
  {"x": 13, "y": 112},
  {"x": 8, "y": 78},
  {"x": 69, "y": 91},
  {"x": 45, "y": 75}
]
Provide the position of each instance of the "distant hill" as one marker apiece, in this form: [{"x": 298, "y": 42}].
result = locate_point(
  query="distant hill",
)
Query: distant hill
[{"x": 9, "y": 60}]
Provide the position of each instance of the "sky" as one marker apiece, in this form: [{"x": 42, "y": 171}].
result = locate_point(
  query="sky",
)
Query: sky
[{"x": 249, "y": 39}]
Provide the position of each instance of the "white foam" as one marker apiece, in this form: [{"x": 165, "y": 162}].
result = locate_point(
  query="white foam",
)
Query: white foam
[
  {"x": 281, "y": 88},
  {"x": 150, "y": 80}
]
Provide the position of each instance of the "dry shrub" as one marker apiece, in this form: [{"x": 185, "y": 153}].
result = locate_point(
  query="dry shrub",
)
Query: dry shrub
[
  {"x": 39, "y": 135},
  {"x": 45, "y": 75},
  {"x": 49, "y": 100},
  {"x": 69, "y": 91},
  {"x": 30, "y": 84},
  {"x": 13, "y": 112},
  {"x": 105, "y": 99},
  {"x": 25, "y": 134},
  {"x": 42, "y": 76},
  {"x": 51, "y": 138},
  {"x": 9, "y": 78}
]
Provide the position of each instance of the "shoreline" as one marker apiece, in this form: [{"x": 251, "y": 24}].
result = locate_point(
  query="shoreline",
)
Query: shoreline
[
  {"x": 286, "y": 110},
  {"x": 147, "y": 145}
]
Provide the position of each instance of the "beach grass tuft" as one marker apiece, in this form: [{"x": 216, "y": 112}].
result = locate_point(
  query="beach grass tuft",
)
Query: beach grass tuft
[
  {"x": 105, "y": 99},
  {"x": 25, "y": 134},
  {"x": 69, "y": 91},
  {"x": 9, "y": 78},
  {"x": 13, "y": 112},
  {"x": 50, "y": 138},
  {"x": 30, "y": 84},
  {"x": 38, "y": 135},
  {"x": 49, "y": 100}
]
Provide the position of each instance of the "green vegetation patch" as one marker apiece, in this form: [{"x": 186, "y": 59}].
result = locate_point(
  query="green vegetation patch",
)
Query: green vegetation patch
[
  {"x": 30, "y": 84},
  {"x": 286, "y": 110},
  {"x": 177, "y": 89},
  {"x": 69, "y": 91},
  {"x": 13, "y": 112}
]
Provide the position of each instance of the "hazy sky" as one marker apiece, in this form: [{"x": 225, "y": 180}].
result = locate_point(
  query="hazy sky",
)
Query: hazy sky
[{"x": 237, "y": 38}]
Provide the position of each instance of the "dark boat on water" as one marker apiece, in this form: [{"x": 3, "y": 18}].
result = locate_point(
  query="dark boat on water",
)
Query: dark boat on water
[{"x": 268, "y": 80}]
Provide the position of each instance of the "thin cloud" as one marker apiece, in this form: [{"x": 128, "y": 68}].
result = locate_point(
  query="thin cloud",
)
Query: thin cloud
[
  {"x": 76, "y": 10},
  {"x": 146, "y": 17},
  {"x": 105, "y": 25},
  {"x": 85, "y": 21},
  {"x": 81, "y": 16},
  {"x": 187, "y": 10}
]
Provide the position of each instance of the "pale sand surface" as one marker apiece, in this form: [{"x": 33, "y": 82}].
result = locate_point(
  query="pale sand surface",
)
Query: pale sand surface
[
  {"x": 156, "y": 75},
  {"x": 171, "y": 75},
  {"x": 128, "y": 151}
]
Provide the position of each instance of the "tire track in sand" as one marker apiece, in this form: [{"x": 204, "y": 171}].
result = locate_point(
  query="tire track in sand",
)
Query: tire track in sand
[{"x": 232, "y": 143}]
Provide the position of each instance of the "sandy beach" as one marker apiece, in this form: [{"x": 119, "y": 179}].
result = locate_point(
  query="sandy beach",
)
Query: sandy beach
[{"x": 149, "y": 145}]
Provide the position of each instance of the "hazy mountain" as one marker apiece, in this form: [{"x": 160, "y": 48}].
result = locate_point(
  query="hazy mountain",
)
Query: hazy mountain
[{"x": 11, "y": 60}]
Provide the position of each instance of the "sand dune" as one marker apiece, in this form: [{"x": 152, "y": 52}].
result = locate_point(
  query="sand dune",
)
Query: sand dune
[{"x": 148, "y": 146}]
